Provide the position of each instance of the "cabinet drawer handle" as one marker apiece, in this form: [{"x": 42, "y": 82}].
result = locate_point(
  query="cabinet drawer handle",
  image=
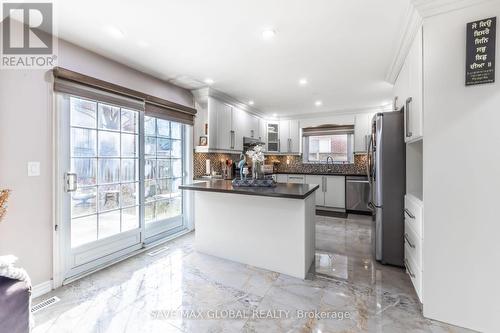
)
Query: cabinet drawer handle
[
  {"x": 410, "y": 215},
  {"x": 408, "y": 241},
  {"x": 301, "y": 178},
  {"x": 407, "y": 266}
]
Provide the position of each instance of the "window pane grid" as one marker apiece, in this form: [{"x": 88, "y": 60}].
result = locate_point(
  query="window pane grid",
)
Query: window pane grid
[
  {"x": 163, "y": 167},
  {"x": 105, "y": 156}
]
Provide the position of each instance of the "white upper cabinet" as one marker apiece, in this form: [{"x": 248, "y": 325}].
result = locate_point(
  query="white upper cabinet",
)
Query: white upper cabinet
[
  {"x": 289, "y": 136},
  {"x": 414, "y": 106},
  {"x": 273, "y": 136},
  {"x": 284, "y": 136},
  {"x": 224, "y": 126},
  {"x": 254, "y": 127},
  {"x": 362, "y": 131},
  {"x": 409, "y": 90},
  {"x": 401, "y": 87},
  {"x": 294, "y": 136},
  {"x": 262, "y": 135},
  {"x": 241, "y": 126}
]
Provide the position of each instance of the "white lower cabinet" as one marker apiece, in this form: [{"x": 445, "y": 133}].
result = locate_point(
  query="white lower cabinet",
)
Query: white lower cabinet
[
  {"x": 413, "y": 239},
  {"x": 335, "y": 191},
  {"x": 296, "y": 179},
  {"x": 320, "y": 193},
  {"x": 281, "y": 178},
  {"x": 331, "y": 192}
]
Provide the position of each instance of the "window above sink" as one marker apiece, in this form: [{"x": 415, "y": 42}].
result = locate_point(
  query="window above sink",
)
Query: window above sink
[{"x": 328, "y": 144}]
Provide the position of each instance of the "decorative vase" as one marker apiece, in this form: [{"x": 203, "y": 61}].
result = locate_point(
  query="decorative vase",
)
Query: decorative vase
[{"x": 256, "y": 170}]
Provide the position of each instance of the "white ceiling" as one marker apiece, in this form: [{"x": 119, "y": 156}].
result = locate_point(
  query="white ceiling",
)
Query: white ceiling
[{"x": 342, "y": 47}]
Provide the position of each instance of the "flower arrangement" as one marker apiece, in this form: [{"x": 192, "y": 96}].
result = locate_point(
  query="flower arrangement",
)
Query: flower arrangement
[
  {"x": 4, "y": 195},
  {"x": 256, "y": 154}
]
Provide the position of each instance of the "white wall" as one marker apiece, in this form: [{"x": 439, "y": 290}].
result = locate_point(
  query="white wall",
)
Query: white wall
[
  {"x": 26, "y": 135},
  {"x": 461, "y": 259}
]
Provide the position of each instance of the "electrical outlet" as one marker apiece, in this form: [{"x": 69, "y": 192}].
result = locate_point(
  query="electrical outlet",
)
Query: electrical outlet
[{"x": 33, "y": 169}]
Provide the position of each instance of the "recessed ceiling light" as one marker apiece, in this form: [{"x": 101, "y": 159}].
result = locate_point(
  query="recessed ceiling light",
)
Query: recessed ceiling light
[
  {"x": 114, "y": 32},
  {"x": 275, "y": 115},
  {"x": 318, "y": 103},
  {"x": 303, "y": 82},
  {"x": 251, "y": 102},
  {"x": 209, "y": 81},
  {"x": 268, "y": 34}
]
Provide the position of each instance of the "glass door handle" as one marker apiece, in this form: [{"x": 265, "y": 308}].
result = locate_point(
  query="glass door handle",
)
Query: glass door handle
[{"x": 70, "y": 182}]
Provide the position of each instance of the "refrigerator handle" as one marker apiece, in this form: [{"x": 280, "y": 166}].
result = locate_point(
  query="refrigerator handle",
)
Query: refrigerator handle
[{"x": 369, "y": 157}]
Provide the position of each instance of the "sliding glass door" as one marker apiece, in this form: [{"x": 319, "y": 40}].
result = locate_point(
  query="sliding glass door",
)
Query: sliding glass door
[
  {"x": 163, "y": 173},
  {"x": 104, "y": 152},
  {"x": 122, "y": 170}
]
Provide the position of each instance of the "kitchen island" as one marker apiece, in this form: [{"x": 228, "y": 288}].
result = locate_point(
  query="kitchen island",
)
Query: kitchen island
[{"x": 270, "y": 228}]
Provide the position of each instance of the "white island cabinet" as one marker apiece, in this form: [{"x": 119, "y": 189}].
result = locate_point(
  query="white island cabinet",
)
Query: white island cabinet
[
  {"x": 331, "y": 192},
  {"x": 279, "y": 236}
]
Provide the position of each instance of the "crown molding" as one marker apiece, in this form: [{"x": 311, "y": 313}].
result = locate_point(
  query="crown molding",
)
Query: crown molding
[
  {"x": 428, "y": 8},
  {"x": 204, "y": 93},
  {"x": 412, "y": 22},
  {"x": 336, "y": 112},
  {"x": 419, "y": 10}
]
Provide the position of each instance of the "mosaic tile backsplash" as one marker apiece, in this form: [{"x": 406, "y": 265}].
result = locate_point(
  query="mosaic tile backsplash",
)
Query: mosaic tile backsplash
[{"x": 282, "y": 164}]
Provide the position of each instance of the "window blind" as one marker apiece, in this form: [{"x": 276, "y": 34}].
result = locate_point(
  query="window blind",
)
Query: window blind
[
  {"x": 71, "y": 82},
  {"x": 162, "y": 112},
  {"x": 328, "y": 130},
  {"x": 79, "y": 90}
]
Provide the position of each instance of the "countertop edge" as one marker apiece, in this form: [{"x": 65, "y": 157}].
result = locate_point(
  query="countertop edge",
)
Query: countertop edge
[
  {"x": 321, "y": 174},
  {"x": 241, "y": 191}
]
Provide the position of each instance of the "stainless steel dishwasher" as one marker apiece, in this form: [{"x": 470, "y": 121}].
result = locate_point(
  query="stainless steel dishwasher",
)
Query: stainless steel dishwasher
[{"x": 357, "y": 190}]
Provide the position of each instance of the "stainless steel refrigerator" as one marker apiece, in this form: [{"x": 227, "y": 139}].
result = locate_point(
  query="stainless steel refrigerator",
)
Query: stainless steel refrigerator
[{"x": 386, "y": 170}]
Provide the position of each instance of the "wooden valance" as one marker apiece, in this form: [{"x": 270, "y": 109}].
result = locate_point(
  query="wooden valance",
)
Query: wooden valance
[{"x": 154, "y": 106}]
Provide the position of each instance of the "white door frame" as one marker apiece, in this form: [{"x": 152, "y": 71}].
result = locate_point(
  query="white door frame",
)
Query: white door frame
[
  {"x": 60, "y": 240},
  {"x": 61, "y": 259}
]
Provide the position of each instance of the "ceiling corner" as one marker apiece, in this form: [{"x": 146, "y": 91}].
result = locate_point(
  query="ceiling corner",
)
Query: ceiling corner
[
  {"x": 419, "y": 10},
  {"x": 427, "y": 8}
]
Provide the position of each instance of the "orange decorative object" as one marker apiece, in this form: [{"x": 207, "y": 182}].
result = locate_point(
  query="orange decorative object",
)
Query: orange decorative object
[{"x": 4, "y": 196}]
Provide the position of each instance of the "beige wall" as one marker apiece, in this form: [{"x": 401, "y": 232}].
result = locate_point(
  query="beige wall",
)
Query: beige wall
[{"x": 26, "y": 135}]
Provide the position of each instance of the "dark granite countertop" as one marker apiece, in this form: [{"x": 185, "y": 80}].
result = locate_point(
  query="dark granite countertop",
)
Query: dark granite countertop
[
  {"x": 321, "y": 173},
  {"x": 290, "y": 191}
]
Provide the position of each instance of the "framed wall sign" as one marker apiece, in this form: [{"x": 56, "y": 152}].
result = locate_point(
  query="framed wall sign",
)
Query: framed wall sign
[{"x": 480, "y": 57}]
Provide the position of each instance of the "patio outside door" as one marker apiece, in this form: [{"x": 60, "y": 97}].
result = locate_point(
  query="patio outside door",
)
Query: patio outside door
[{"x": 120, "y": 185}]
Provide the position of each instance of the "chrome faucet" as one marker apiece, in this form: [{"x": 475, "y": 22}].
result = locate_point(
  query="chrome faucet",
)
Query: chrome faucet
[{"x": 329, "y": 158}]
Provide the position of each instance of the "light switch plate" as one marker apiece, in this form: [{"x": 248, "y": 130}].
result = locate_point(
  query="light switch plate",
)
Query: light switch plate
[{"x": 33, "y": 169}]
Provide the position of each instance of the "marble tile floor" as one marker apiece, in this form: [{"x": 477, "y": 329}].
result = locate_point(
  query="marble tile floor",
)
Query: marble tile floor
[{"x": 181, "y": 290}]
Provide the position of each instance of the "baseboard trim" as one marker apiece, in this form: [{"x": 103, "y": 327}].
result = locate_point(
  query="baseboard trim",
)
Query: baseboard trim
[{"x": 41, "y": 289}]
